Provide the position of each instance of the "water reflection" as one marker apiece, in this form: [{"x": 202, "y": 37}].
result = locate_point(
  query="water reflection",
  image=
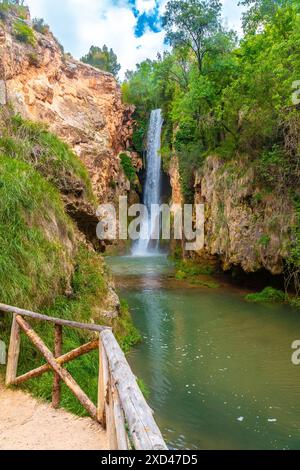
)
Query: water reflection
[{"x": 218, "y": 368}]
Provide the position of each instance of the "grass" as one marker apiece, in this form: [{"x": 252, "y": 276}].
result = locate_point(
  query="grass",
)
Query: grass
[
  {"x": 51, "y": 157},
  {"x": 42, "y": 266},
  {"x": 88, "y": 292},
  {"x": 33, "y": 232},
  {"x": 269, "y": 294},
  {"x": 6, "y": 7}
]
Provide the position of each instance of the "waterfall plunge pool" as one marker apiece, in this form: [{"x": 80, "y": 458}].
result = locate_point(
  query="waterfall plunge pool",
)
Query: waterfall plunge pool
[{"x": 218, "y": 368}]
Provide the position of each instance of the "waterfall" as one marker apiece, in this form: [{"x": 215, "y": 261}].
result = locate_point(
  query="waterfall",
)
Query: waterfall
[{"x": 152, "y": 190}]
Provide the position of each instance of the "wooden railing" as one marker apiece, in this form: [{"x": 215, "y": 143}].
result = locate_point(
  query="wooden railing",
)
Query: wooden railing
[{"x": 121, "y": 409}]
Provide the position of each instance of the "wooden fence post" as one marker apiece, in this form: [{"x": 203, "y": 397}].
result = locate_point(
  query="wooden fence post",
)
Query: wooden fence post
[
  {"x": 56, "y": 390},
  {"x": 102, "y": 384},
  {"x": 13, "y": 352}
]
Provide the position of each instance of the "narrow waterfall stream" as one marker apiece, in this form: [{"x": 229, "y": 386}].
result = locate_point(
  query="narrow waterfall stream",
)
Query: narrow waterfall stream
[{"x": 149, "y": 234}]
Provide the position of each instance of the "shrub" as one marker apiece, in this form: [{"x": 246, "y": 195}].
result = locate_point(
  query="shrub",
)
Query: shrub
[
  {"x": 40, "y": 26},
  {"x": 128, "y": 167},
  {"x": 23, "y": 32},
  {"x": 33, "y": 59},
  {"x": 4, "y": 10},
  {"x": 7, "y": 6},
  {"x": 269, "y": 294}
]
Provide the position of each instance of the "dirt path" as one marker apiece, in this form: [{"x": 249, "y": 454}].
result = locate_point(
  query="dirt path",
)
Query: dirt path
[{"x": 28, "y": 424}]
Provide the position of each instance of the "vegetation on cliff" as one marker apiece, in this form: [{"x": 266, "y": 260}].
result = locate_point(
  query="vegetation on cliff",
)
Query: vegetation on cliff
[
  {"x": 44, "y": 265},
  {"x": 234, "y": 99}
]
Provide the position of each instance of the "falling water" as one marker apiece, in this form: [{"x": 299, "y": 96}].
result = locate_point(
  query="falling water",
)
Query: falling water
[{"x": 152, "y": 191}]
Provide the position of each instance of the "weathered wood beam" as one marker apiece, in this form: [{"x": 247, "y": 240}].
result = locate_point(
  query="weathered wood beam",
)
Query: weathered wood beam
[
  {"x": 63, "y": 374},
  {"x": 110, "y": 420},
  {"x": 70, "y": 356},
  {"x": 56, "y": 390},
  {"x": 119, "y": 421},
  {"x": 103, "y": 384},
  {"x": 139, "y": 417},
  {"x": 13, "y": 352},
  {"x": 57, "y": 321}
]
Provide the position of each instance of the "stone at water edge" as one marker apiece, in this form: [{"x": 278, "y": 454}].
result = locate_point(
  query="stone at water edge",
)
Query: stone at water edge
[{"x": 2, "y": 353}]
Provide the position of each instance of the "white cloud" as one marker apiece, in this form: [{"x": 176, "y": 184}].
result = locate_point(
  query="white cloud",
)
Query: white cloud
[
  {"x": 78, "y": 24},
  {"x": 145, "y": 5},
  {"x": 98, "y": 22}
]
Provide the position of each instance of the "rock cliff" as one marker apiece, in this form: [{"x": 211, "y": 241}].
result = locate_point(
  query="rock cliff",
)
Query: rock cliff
[
  {"x": 244, "y": 226},
  {"x": 81, "y": 104}
]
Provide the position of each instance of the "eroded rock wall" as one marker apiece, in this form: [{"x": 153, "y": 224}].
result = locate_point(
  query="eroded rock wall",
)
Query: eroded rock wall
[
  {"x": 81, "y": 104},
  {"x": 244, "y": 225}
]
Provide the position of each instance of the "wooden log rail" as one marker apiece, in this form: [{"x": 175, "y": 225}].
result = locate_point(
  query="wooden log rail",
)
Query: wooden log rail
[{"x": 121, "y": 408}]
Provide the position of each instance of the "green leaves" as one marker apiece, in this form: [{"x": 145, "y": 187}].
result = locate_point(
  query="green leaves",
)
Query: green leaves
[{"x": 103, "y": 59}]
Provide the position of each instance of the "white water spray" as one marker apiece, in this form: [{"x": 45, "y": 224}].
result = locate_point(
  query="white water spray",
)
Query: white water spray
[{"x": 152, "y": 191}]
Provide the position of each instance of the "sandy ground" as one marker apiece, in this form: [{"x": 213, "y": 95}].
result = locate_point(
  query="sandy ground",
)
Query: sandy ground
[{"x": 28, "y": 424}]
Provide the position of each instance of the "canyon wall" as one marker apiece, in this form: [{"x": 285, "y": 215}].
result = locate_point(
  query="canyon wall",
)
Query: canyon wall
[
  {"x": 244, "y": 226},
  {"x": 79, "y": 103}
]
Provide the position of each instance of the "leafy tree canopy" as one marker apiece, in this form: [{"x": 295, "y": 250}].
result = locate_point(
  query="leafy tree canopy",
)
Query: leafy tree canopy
[{"x": 103, "y": 59}]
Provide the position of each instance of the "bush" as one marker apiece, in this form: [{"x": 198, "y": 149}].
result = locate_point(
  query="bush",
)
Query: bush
[
  {"x": 269, "y": 294},
  {"x": 128, "y": 167},
  {"x": 33, "y": 59},
  {"x": 40, "y": 26},
  {"x": 23, "y": 32},
  {"x": 4, "y": 10}
]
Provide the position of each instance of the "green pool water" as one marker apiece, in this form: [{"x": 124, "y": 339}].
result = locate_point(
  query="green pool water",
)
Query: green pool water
[{"x": 218, "y": 368}]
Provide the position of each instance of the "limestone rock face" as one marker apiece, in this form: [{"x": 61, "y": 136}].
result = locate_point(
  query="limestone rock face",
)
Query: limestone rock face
[
  {"x": 81, "y": 104},
  {"x": 243, "y": 226}
]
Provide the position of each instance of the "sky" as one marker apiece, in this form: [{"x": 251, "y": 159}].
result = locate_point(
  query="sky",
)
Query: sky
[{"x": 130, "y": 27}]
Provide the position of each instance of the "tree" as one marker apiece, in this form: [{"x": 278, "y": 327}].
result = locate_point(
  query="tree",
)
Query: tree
[
  {"x": 193, "y": 24},
  {"x": 103, "y": 59},
  {"x": 260, "y": 12}
]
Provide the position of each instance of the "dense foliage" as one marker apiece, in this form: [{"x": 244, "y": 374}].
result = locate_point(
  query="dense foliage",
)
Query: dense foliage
[
  {"x": 236, "y": 99},
  {"x": 103, "y": 59}
]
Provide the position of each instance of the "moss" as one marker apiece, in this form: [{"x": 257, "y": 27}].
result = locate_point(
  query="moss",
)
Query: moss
[
  {"x": 190, "y": 269},
  {"x": 203, "y": 283},
  {"x": 264, "y": 241},
  {"x": 143, "y": 387},
  {"x": 269, "y": 294},
  {"x": 24, "y": 33}
]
